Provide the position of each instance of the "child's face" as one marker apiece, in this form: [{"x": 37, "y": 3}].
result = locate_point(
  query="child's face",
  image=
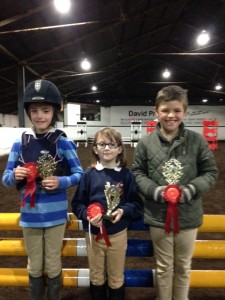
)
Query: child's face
[
  {"x": 170, "y": 115},
  {"x": 41, "y": 116},
  {"x": 107, "y": 151}
]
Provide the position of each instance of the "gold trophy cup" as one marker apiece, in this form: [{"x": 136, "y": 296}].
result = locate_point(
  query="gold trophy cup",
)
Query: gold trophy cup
[{"x": 112, "y": 194}]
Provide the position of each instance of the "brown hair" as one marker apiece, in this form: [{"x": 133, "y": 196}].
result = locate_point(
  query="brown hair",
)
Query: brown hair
[
  {"x": 172, "y": 93},
  {"x": 56, "y": 112},
  {"x": 113, "y": 136}
]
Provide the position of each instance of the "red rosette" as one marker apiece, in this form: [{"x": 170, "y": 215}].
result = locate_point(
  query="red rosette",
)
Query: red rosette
[
  {"x": 30, "y": 188},
  {"x": 172, "y": 193},
  {"x": 33, "y": 171},
  {"x": 94, "y": 209}
]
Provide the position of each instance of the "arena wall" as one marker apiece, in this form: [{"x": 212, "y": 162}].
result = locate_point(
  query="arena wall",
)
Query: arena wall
[{"x": 119, "y": 117}]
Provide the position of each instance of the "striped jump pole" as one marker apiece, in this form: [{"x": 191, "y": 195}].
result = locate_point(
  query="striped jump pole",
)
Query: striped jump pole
[
  {"x": 211, "y": 223},
  {"x": 10, "y": 221},
  {"x": 133, "y": 278},
  {"x": 209, "y": 249}
]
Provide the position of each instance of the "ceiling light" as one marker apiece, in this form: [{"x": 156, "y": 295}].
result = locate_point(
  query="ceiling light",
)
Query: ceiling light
[
  {"x": 97, "y": 101},
  {"x": 218, "y": 87},
  {"x": 85, "y": 64},
  {"x": 203, "y": 38},
  {"x": 166, "y": 73},
  {"x": 94, "y": 88},
  {"x": 63, "y": 6},
  {"x": 205, "y": 100}
]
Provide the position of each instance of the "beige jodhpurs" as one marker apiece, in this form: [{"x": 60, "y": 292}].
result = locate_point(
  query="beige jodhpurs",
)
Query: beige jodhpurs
[{"x": 173, "y": 254}]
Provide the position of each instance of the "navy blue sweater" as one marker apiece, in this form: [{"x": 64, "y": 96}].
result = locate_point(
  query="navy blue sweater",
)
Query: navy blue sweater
[{"x": 91, "y": 189}]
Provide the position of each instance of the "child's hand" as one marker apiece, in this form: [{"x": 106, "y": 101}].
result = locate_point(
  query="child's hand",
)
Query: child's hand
[
  {"x": 50, "y": 183},
  {"x": 96, "y": 221},
  {"x": 117, "y": 215},
  {"x": 20, "y": 173}
]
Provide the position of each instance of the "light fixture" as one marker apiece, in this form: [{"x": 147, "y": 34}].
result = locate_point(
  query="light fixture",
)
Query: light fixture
[
  {"x": 204, "y": 100},
  {"x": 166, "y": 73},
  {"x": 63, "y": 6},
  {"x": 97, "y": 101},
  {"x": 85, "y": 64},
  {"x": 218, "y": 87},
  {"x": 94, "y": 88},
  {"x": 203, "y": 38}
]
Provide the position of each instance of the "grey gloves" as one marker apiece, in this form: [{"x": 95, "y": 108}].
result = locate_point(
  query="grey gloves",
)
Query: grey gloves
[
  {"x": 158, "y": 194},
  {"x": 188, "y": 192}
]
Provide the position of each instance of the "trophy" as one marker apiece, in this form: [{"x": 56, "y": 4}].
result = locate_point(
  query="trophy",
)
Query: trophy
[
  {"x": 112, "y": 194},
  {"x": 43, "y": 168},
  {"x": 172, "y": 171},
  {"x": 46, "y": 165}
]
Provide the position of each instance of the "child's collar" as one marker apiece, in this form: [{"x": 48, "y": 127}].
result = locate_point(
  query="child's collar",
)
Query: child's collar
[
  {"x": 100, "y": 167},
  {"x": 31, "y": 131}
]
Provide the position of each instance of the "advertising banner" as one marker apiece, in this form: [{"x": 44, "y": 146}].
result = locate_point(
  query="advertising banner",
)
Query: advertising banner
[{"x": 123, "y": 115}]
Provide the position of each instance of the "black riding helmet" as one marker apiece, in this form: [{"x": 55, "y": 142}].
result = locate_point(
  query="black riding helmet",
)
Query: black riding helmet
[{"x": 42, "y": 91}]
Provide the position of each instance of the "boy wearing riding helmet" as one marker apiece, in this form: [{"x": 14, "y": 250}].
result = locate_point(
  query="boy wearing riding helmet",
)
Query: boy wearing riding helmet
[{"x": 43, "y": 164}]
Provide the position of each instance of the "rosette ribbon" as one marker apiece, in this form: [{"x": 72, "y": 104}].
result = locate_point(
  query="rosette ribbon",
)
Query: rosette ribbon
[
  {"x": 172, "y": 194},
  {"x": 92, "y": 211},
  {"x": 30, "y": 187}
]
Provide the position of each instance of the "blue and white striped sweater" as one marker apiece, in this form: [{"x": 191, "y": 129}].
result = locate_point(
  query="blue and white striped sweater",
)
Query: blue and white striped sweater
[{"x": 50, "y": 207}]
